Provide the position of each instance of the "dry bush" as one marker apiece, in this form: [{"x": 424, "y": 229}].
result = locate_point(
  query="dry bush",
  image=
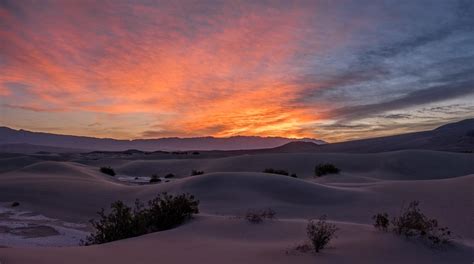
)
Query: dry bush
[
  {"x": 412, "y": 223},
  {"x": 196, "y": 172},
  {"x": 257, "y": 217},
  {"x": 164, "y": 212},
  {"x": 325, "y": 168},
  {"x": 154, "y": 178},
  {"x": 320, "y": 233},
  {"x": 276, "y": 171},
  {"x": 108, "y": 171},
  {"x": 169, "y": 175},
  {"x": 381, "y": 221}
]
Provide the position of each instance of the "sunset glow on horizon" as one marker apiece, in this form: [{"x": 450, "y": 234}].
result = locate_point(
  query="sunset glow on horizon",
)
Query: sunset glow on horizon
[{"x": 333, "y": 70}]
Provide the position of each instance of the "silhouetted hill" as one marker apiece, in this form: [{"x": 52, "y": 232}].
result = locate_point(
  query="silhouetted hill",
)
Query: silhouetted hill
[
  {"x": 297, "y": 147},
  {"x": 458, "y": 137},
  {"x": 12, "y": 136}
]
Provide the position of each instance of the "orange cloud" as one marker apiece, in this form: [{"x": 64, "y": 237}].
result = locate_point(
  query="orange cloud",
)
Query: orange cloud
[{"x": 223, "y": 71}]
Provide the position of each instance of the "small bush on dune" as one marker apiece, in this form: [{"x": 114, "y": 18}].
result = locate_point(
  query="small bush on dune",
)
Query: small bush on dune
[
  {"x": 325, "y": 168},
  {"x": 280, "y": 172},
  {"x": 164, "y": 212},
  {"x": 169, "y": 175},
  {"x": 108, "y": 171},
  {"x": 274, "y": 171},
  {"x": 15, "y": 204},
  {"x": 196, "y": 172},
  {"x": 154, "y": 178},
  {"x": 320, "y": 233},
  {"x": 412, "y": 223},
  {"x": 168, "y": 211},
  {"x": 257, "y": 217},
  {"x": 381, "y": 221}
]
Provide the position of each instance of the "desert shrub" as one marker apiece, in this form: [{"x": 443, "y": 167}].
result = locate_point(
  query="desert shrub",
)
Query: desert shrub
[
  {"x": 257, "y": 217},
  {"x": 154, "y": 178},
  {"x": 413, "y": 223},
  {"x": 325, "y": 168},
  {"x": 169, "y": 175},
  {"x": 281, "y": 172},
  {"x": 164, "y": 212},
  {"x": 381, "y": 221},
  {"x": 196, "y": 172},
  {"x": 15, "y": 204},
  {"x": 293, "y": 175},
  {"x": 167, "y": 211},
  {"x": 320, "y": 233},
  {"x": 107, "y": 170}
]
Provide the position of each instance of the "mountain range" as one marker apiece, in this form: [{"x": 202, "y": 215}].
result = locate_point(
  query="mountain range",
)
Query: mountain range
[{"x": 12, "y": 139}]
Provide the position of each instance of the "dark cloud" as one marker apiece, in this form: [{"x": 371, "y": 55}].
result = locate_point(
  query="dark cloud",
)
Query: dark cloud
[
  {"x": 429, "y": 95},
  {"x": 397, "y": 116}
]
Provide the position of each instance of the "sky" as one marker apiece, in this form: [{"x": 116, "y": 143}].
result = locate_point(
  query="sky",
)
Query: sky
[{"x": 332, "y": 70}]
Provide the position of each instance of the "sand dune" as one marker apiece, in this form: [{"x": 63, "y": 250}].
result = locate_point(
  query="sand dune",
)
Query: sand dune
[
  {"x": 74, "y": 190},
  {"x": 403, "y": 165},
  {"x": 211, "y": 239}
]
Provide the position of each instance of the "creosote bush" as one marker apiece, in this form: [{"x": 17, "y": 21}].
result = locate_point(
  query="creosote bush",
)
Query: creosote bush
[
  {"x": 412, "y": 223},
  {"x": 276, "y": 171},
  {"x": 154, "y": 178},
  {"x": 169, "y": 175},
  {"x": 381, "y": 221},
  {"x": 164, "y": 212},
  {"x": 320, "y": 233},
  {"x": 196, "y": 172},
  {"x": 258, "y": 216},
  {"x": 325, "y": 168},
  {"x": 108, "y": 171},
  {"x": 280, "y": 172}
]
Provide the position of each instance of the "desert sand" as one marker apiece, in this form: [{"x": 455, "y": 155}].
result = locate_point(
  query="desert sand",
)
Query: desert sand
[{"x": 61, "y": 193}]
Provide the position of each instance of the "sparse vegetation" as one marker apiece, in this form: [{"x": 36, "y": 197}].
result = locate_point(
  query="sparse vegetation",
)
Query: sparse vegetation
[
  {"x": 107, "y": 170},
  {"x": 280, "y": 172},
  {"x": 257, "y": 217},
  {"x": 325, "y": 168},
  {"x": 154, "y": 178},
  {"x": 381, "y": 221},
  {"x": 15, "y": 204},
  {"x": 196, "y": 172},
  {"x": 274, "y": 171},
  {"x": 412, "y": 223},
  {"x": 320, "y": 233},
  {"x": 164, "y": 212},
  {"x": 169, "y": 175}
]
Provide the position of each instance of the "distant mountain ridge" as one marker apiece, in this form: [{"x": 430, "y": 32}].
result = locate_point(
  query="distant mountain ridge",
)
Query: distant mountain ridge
[
  {"x": 455, "y": 137},
  {"x": 11, "y": 136}
]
